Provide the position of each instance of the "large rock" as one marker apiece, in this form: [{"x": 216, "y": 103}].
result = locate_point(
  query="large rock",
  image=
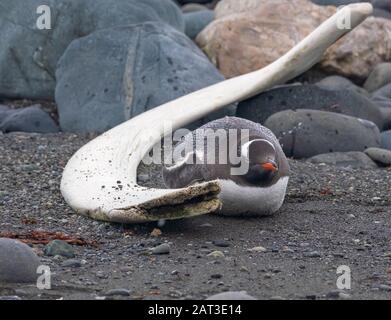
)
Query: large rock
[
  {"x": 249, "y": 35},
  {"x": 29, "y": 119},
  {"x": 381, "y": 13},
  {"x": 306, "y": 133},
  {"x": 382, "y": 98},
  {"x": 4, "y": 112},
  {"x": 302, "y": 9},
  {"x": 353, "y": 159},
  {"x": 379, "y": 155},
  {"x": 193, "y": 7},
  {"x": 383, "y": 4},
  {"x": 18, "y": 262},
  {"x": 357, "y": 54},
  {"x": 132, "y": 69},
  {"x": 348, "y": 102},
  {"x": 379, "y": 77},
  {"x": 197, "y": 21},
  {"x": 28, "y": 56},
  {"x": 386, "y": 140},
  {"x": 340, "y": 83}
]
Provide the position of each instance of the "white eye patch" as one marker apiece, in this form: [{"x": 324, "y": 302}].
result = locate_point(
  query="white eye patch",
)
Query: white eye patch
[{"x": 245, "y": 147}]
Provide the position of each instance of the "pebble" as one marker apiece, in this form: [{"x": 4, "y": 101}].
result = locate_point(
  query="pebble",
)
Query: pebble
[
  {"x": 142, "y": 178},
  {"x": 161, "y": 249},
  {"x": 385, "y": 287},
  {"x": 216, "y": 254},
  {"x": 335, "y": 294},
  {"x": 156, "y": 232},
  {"x": 10, "y": 298},
  {"x": 221, "y": 243},
  {"x": 206, "y": 225},
  {"x": 312, "y": 254},
  {"x": 216, "y": 276},
  {"x": 59, "y": 247},
  {"x": 118, "y": 292},
  {"x": 72, "y": 263},
  {"x": 231, "y": 295},
  {"x": 257, "y": 249},
  {"x": 244, "y": 269}
]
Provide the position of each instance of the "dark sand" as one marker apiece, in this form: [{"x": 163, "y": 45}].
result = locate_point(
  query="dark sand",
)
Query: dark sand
[{"x": 331, "y": 217}]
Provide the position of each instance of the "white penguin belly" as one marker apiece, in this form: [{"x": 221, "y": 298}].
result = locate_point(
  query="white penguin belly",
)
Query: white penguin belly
[{"x": 243, "y": 200}]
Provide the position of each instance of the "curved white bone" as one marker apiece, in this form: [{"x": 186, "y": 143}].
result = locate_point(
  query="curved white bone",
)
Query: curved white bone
[{"x": 100, "y": 180}]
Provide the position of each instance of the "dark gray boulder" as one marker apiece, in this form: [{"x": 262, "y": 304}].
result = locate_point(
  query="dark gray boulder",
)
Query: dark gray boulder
[
  {"x": 382, "y": 96},
  {"x": 132, "y": 69},
  {"x": 197, "y": 21},
  {"x": 193, "y": 7},
  {"x": 18, "y": 262},
  {"x": 336, "y": 83},
  {"x": 381, "y": 13},
  {"x": 29, "y": 119},
  {"x": 383, "y": 4},
  {"x": 336, "y": 2},
  {"x": 194, "y": 1},
  {"x": 4, "y": 112},
  {"x": 386, "y": 140},
  {"x": 353, "y": 159},
  {"x": 348, "y": 102},
  {"x": 306, "y": 133},
  {"x": 28, "y": 56},
  {"x": 381, "y": 156},
  {"x": 379, "y": 77}
]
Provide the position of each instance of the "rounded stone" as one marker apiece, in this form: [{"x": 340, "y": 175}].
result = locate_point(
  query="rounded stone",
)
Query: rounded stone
[
  {"x": 28, "y": 56},
  {"x": 196, "y": 21},
  {"x": 29, "y": 119},
  {"x": 59, "y": 248},
  {"x": 145, "y": 65},
  {"x": 231, "y": 295},
  {"x": 313, "y": 97},
  {"x": 193, "y": 7},
  {"x": 305, "y": 133},
  {"x": 340, "y": 83},
  {"x": 353, "y": 159},
  {"x": 386, "y": 140},
  {"x": 161, "y": 249},
  {"x": 379, "y": 77},
  {"x": 18, "y": 262},
  {"x": 379, "y": 155}
]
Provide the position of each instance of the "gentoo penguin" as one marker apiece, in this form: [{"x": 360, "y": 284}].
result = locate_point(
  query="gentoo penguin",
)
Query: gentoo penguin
[{"x": 258, "y": 190}]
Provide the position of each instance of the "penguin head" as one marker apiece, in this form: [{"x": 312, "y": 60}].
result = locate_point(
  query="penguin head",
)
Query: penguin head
[{"x": 261, "y": 157}]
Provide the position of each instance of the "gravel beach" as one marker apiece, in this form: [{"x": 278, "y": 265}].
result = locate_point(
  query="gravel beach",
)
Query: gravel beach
[{"x": 331, "y": 217}]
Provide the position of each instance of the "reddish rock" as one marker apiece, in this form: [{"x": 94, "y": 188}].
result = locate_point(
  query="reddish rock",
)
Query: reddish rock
[{"x": 250, "y": 34}]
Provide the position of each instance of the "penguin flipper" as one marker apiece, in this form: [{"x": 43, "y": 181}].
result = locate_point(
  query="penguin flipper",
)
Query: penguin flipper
[{"x": 182, "y": 174}]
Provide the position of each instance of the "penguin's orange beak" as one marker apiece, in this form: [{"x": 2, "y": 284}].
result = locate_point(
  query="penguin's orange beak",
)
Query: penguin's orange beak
[{"x": 269, "y": 166}]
